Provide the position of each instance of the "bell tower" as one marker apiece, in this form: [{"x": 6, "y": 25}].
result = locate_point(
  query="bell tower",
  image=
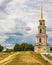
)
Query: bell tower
[
  {"x": 41, "y": 45},
  {"x": 43, "y": 37}
]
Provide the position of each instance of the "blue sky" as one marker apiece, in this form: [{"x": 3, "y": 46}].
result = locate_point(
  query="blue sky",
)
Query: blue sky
[{"x": 19, "y": 20}]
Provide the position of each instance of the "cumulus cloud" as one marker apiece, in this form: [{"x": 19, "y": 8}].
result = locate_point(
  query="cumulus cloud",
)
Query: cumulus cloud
[{"x": 20, "y": 18}]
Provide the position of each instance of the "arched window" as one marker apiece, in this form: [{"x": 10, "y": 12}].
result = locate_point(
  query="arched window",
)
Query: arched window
[
  {"x": 40, "y": 40},
  {"x": 40, "y": 30},
  {"x": 40, "y": 23}
]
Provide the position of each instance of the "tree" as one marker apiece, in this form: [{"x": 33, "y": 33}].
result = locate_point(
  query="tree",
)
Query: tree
[
  {"x": 1, "y": 48},
  {"x": 24, "y": 47},
  {"x": 17, "y": 47},
  {"x": 31, "y": 47},
  {"x": 51, "y": 49},
  {"x": 27, "y": 47}
]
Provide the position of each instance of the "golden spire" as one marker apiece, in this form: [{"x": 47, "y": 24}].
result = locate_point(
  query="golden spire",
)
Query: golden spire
[{"x": 42, "y": 18}]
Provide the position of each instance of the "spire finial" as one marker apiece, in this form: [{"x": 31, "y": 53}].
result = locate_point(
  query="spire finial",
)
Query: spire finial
[{"x": 42, "y": 12}]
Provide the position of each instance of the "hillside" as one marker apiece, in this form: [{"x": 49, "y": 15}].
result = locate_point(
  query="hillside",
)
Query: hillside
[{"x": 25, "y": 58}]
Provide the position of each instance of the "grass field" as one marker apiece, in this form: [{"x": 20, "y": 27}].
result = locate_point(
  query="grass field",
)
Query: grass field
[
  {"x": 49, "y": 57},
  {"x": 27, "y": 58},
  {"x": 4, "y": 55}
]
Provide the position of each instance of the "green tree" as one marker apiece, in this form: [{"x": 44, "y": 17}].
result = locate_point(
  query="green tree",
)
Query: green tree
[
  {"x": 51, "y": 49},
  {"x": 17, "y": 47},
  {"x": 1, "y": 48},
  {"x": 27, "y": 47},
  {"x": 24, "y": 47}
]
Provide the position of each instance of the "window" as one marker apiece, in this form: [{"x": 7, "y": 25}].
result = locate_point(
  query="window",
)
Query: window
[
  {"x": 40, "y": 23},
  {"x": 40, "y": 30},
  {"x": 40, "y": 40}
]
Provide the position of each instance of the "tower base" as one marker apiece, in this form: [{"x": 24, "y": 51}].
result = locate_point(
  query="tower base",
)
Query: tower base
[{"x": 42, "y": 49}]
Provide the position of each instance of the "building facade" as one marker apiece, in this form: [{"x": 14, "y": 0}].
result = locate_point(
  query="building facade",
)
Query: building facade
[{"x": 42, "y": 45}]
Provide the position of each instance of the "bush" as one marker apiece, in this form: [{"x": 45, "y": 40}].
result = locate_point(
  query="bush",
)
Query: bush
[
  {"x": 51, "y": 49},
  {"x": 1, "y": 48},
  {"x": 9, "y": 50}
]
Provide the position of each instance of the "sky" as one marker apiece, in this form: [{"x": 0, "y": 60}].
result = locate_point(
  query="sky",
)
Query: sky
[{"x": 19, "y": 20}]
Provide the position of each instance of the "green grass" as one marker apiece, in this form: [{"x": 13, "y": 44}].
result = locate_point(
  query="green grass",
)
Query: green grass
[
  {"x": 3, "y": 55},
  {"x": 18, "y": 60},
  {"x": 48, "y": 56},
  {"x": 23, "y": 57},
  {"x": 41, "y": 59},
  {"x": 23, "y": 63}
]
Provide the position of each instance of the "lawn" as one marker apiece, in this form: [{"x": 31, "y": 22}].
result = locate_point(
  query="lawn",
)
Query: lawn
[
  {"x": 4, "y": 55},
  {"x": 28, "y": 58},
  {"x": 48, "y": 56},
  {"x": 24, "y": 58},
  {"x": 41, "y": 59}
]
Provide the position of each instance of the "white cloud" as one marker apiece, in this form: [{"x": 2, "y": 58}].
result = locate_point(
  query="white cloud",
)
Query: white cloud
[
  {"x": 1, "y": 1},
  {"x": 22, "y": 16}
]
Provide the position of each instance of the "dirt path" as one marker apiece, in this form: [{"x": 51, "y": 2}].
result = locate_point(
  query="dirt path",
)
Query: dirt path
[{"x": 9, "y": 58}]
